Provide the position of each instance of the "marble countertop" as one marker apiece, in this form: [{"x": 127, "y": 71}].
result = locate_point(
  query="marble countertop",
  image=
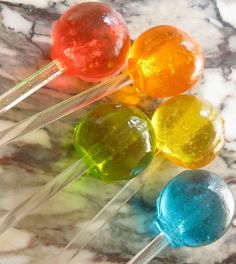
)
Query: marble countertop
[{"x": 33, "y": 160}]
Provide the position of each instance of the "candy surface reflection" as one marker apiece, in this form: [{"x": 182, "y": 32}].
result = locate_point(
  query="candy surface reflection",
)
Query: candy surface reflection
[
  {"x": 189, "y": 131},
  {"x": 164, "y": 61},
  {"x": 92, "y": 40},
  {"x": 118, "y": 140},
  {"x": 195, "y": 209}
]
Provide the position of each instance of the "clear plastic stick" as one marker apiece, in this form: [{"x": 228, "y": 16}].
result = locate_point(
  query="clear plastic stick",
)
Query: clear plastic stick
[
  {"x": 76, "y": 170},
  {"x": 150, "y": 251},
  {"x": 30, "y": 85},
  {"x": 64, "y": 108},
  {"x": 109, "y": 210}
]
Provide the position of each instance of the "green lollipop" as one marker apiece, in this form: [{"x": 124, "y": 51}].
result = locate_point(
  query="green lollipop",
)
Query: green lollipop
[{"x": 116, "y": 142}]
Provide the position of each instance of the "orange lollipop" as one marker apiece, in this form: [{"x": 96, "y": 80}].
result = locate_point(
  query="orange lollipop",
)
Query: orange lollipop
[{"x": 165, "y": 61}]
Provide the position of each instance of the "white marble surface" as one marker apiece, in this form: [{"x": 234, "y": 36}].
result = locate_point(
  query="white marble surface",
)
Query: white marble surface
[{"x": 32, "y": 161}]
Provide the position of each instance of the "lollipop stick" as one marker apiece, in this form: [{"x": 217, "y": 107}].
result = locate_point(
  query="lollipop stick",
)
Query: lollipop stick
[
  {"x": 53, "y": 187},
  {"x": 30, "y": 85},
  {"x": 150, "y": 251},
  {"x": 64, "y": 108},
  {"x": 110, "y": 209},
  {"x": 50, "y": 189}
]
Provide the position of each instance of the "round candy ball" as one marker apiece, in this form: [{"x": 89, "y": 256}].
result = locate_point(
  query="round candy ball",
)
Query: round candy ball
[
  {"x": 189, "y": 131},
  {"x": 91, "y": 40},
  {"x": 117, "y": 142},
  {"x": 164, "y": 61},
  {"x": 195, "y": 209}
]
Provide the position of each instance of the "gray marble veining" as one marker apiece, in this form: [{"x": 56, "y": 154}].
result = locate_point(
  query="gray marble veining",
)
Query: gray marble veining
[{"x": 36, "y": 158}]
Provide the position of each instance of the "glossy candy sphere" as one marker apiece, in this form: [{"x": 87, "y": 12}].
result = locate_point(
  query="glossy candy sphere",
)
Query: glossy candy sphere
[
  {"x": 195, "y": 209},
  {"x": 164, "y": 61},
  {"x": 189, "y": 131},
  {"x": 117, "y": 140},
  {"x": 92, "y": 41}
]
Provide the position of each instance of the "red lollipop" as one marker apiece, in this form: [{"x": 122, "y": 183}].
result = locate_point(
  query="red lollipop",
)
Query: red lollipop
[{"x": 90, "y": 41}]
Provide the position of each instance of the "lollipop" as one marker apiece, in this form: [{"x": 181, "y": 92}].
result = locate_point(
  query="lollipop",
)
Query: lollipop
[
  {"x": 163, "y": 61},
  {"x": 108, "y": 136},
  {"x": 90, "y": 41},
  {"x": 104, "y": 128},
  {"x": 189, "y": 132},
  {"x": 195, "y": 209}
]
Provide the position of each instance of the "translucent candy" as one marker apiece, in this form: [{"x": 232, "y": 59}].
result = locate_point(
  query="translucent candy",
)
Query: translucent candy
[
  {"x": 164, "y": 61},
  {"x": 195, "y": 209},
  {"x": 92, "y": 41},
  {"x": 117, "y": 140},
  {"x": 189, "y": 131},
  {"x": 127, "y": 95}
]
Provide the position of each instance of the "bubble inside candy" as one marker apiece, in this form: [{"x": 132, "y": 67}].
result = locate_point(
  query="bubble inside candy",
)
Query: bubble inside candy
[
  {"x": 117, "y": 140},
  {"x": 189, "y": 131},
  {"x": 164, "y": 61},
  {"x": 92, "y": 41},
  {"x": 195, "y": 209}
]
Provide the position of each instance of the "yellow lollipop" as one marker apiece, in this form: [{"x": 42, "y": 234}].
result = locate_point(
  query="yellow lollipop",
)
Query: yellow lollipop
[{"x": 189, "y": 131}]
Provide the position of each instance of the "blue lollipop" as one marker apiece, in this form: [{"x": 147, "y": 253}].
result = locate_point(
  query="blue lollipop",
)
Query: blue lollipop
[{"x": 194, "y": 209}]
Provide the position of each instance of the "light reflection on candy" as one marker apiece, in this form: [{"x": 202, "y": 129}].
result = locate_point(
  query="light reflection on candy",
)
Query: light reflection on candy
[{"x": 128, "y": 95}]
